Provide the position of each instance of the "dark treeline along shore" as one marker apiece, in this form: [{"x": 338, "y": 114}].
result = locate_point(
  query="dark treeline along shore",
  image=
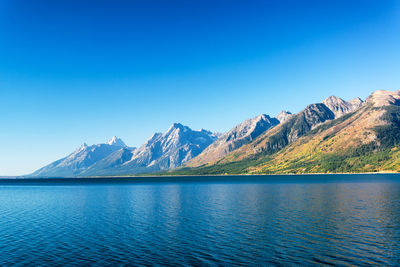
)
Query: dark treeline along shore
[
  {"x": 335, "y": 136},
  {"x": 179, "y": 179}
]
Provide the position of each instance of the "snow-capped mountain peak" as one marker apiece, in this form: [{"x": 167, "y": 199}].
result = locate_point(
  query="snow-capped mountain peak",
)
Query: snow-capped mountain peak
[{"x": 115, "y": 141}]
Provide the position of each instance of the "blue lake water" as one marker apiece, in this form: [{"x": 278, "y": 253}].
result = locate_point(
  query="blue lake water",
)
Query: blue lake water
[{"x": 265, "y": 220}]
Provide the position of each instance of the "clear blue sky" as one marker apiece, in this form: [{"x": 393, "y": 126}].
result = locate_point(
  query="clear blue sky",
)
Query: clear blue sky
[{"x": 83, "y": 71}]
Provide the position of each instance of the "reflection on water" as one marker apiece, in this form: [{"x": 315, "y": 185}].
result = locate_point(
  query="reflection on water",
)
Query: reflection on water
[{"x": 195, "y": 223}]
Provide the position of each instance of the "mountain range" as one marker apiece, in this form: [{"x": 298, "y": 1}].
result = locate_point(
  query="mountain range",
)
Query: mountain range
[
  {"x": 332, "y": 136},
  {"x": 162, "y": 151}
]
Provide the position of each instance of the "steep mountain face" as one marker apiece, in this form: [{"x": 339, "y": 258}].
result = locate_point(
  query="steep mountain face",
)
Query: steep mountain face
[
  {"x": 80, "y": 159},
  {"x": 162, "y": 151},
  {"x": 289, "y": 131},
  {"x": 110, "y": 164},
  {"x": 240, "y": 135},
  {"x": 339, "y": 107},
  {"x": 291, "y": 128},
  {"x": 366, "y": 140},
  {"x": 284, "y": 116}
]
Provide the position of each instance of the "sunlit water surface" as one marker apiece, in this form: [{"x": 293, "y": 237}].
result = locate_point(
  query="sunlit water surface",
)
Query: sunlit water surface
[{"x": 279, "y": 220}]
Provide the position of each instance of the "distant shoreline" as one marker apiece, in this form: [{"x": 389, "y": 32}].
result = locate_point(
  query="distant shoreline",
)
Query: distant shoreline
[
  {"x": 187, "y": 178},
  {"x": 193, "y": 175},
  {"x": 249, "y": 174}
]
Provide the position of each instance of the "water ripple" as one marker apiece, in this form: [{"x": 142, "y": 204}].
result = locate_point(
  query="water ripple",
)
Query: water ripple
[{"x": 192, "y": 224}]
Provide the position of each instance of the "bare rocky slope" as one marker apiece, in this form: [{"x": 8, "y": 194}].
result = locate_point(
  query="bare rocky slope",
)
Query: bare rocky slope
[
  {"x": 240, "y": 135},
  {"x": 284, "y": 116},
  {"x": 339, "y": 107},
  {"x": 292, "y": 126},
  {"x": 331, "y": 137}
]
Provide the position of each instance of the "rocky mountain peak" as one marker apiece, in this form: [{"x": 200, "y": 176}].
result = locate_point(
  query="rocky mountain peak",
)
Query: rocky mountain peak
[
  {"x": 333, "y": 98},
  {"x": 284, "y": 116},
  {"x": 115, "y": 141},
  {"x": 83, "y": 147},
  {"x": 176, "y": 128},
  {"x": 356, "y": 101},
  {"x": 252, "y": 127},
  {"x": 177, "y": 125},
  {"x": 167, "y": 150},
  {"x": 333, "y": 101},
  {"x": 384, "y": 98},
  {"x": 340, "y": 107},
  {"x": 261, "y": 117}
]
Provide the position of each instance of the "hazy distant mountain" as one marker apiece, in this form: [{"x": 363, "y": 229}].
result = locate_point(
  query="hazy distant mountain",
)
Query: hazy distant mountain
[
  {"x": 80, "y": 159},
  {"x": 110, "y": 164},
  {"x": 162, "y": 151},
  {"x": 240, "y": 135},
  {"x": 174, "y": 147}
]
